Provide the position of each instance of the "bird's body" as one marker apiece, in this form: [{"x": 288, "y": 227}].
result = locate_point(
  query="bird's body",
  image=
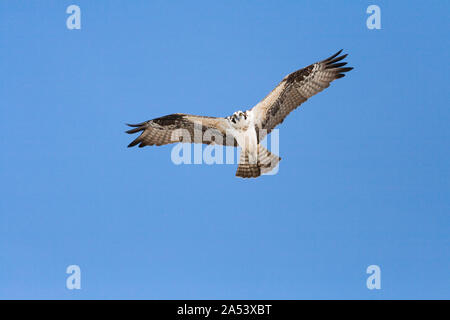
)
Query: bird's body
[
  {"x": 242, "y": 127},
  {"x": 245, "y": 129}
]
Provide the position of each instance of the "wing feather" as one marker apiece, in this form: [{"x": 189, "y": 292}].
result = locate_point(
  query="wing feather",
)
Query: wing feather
[
  {"x": 180, "y": 127},
  {"x": 296, "y": 88}
]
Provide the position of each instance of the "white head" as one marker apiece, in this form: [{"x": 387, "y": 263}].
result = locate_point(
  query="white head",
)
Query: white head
[{"x": 238, "y": 116}]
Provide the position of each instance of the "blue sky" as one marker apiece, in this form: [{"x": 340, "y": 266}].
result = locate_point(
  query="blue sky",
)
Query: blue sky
[{"x": 364, "y": 177}]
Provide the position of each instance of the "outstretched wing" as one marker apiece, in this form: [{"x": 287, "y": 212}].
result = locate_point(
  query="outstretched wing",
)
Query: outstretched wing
[
  {"x": 295, "y": 89},
  {"x": 180, "y": 127}
]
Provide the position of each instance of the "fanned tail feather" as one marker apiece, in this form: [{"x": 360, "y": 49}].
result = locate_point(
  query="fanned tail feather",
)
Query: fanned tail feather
[
  {"x": 247, "y": 169},
  {"x": 266, "y": 162}
]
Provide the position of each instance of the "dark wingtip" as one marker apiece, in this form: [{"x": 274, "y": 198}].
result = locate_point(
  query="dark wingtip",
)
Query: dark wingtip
[
  {"x": 136, "y": 128},
  {"x": 335, "y": 64},
  {"x": 136, "y": 125},
  {"x": 131, "y": 131},
  {"x": 338, "y": 65},
  {"x": 330, "y": 63},
  {"x": 334, "y": 55},
  {"x": 133, "y": 143}
]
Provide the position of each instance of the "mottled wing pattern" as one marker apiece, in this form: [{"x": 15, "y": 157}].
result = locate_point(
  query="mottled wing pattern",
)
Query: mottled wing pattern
[
  {"x": 295, "y": 89},
  {"x": 179, "y": 127}
]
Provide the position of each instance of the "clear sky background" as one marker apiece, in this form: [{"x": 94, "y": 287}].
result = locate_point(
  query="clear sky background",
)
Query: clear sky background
[{"x": 364, "y": 177}]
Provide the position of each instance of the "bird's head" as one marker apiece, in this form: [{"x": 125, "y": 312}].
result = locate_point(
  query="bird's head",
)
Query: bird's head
[{"x": 238, "y": 116}]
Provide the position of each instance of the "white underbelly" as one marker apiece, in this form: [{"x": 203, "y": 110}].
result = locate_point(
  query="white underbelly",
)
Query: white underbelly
[{"x": 247, "y": 140}]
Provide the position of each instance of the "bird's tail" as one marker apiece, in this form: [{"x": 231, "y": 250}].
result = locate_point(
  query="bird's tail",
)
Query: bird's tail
[
  {"x": 265, "y": 163},
  {"x": 267, "y": 160}
]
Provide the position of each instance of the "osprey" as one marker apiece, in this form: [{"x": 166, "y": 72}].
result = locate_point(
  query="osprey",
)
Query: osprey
[{"x": 246, "y": 129}]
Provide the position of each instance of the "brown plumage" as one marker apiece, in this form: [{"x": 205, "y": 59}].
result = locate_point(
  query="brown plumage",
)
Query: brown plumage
[
  {"x": 253, "y": 124},
  {"x": 169, "y": 129},
  {"x": 295, "y": 89}
]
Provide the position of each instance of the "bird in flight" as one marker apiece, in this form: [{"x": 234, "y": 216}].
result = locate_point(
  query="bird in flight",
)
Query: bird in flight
[{"x": 245, "y": 129}]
